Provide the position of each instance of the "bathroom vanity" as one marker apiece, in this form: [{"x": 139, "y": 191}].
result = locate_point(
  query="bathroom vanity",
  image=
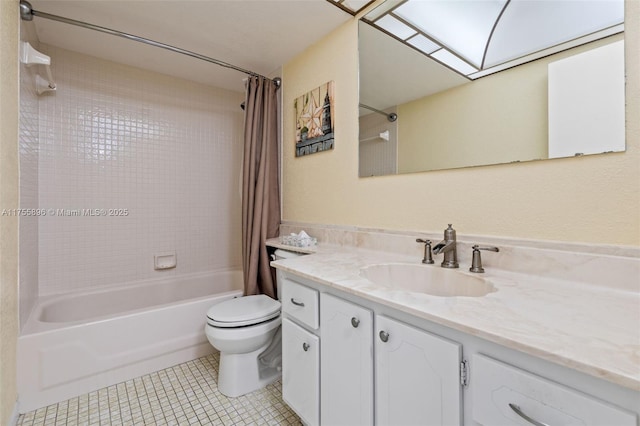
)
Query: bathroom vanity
[{"x": 531, "y": 348}]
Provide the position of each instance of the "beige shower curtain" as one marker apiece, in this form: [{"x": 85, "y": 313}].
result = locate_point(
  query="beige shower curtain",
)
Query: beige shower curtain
[{"x": 260, "y": 192}]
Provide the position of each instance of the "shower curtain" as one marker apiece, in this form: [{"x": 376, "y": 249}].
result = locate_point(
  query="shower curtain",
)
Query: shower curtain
[{"x": 260, "y": 191}]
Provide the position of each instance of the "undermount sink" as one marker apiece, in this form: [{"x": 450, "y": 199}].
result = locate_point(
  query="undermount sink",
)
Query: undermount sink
[{"x": 428, "y": 279}]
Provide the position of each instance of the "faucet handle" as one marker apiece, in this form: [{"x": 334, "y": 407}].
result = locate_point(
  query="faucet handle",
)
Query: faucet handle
[
  {"x": 490, "y": 248},
  {"x": 476, "y": 261},
  {"x": 428, "y": 256}
]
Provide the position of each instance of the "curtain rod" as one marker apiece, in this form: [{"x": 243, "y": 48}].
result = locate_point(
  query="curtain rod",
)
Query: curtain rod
[
  {"x": 27, "y": 13},
  {"x": 390, "y": 116}
]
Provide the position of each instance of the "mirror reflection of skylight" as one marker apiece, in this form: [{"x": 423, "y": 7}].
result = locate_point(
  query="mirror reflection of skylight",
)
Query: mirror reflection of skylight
[
  {"x": 493, "y": 35},
  {"x": 395, "y": 27},
  {"x": 462, "y": 25},
  {"x": 423, "y": 44},
  {"x": 520, "y": 32},
  {"x": 453, "y": 61}
]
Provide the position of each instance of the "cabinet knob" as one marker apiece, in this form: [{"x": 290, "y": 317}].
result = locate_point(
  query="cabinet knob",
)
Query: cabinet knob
[
  {"x": 384, "y": 336},
  {"x": 355, "y": 322},
  {"x": 305, "y": 346},
  {"x": 519, "y": 412}
]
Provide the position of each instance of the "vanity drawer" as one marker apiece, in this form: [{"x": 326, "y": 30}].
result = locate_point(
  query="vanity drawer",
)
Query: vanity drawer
[
  {"x": 300, "y": 303},
  {"x": 506, "y": 395}
]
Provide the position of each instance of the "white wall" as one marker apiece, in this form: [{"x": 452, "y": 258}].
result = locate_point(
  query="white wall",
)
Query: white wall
[{"x": 118, "y": 137}]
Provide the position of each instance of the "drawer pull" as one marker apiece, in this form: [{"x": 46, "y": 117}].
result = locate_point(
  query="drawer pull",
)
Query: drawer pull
[
  {"x": 384, "y": 336},
  {"x": 295, "y": 302},
  {"x": 519, "y": 412},
  {"x": 355, "y": 322},
  {"x": 305, "y": 346}
]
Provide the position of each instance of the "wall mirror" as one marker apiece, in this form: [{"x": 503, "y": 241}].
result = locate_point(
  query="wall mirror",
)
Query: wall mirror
[{"x": 449, "y": 84}]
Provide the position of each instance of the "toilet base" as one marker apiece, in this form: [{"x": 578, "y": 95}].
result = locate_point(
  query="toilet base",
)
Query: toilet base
[{"x": 239, "y": 374}]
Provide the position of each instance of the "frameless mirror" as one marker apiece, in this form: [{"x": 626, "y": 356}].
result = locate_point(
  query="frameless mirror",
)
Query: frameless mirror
[{"x": 439, "y": 90}]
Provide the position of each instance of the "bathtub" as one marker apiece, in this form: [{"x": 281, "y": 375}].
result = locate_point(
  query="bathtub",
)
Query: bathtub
[{"x": 77, "y": 343}]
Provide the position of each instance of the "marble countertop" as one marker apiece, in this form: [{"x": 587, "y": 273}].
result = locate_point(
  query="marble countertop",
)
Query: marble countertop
[{"x": 592, "y": 329}]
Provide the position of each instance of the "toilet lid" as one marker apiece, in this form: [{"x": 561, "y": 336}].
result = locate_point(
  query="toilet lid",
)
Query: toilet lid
[{"x": 243, "y": 311}]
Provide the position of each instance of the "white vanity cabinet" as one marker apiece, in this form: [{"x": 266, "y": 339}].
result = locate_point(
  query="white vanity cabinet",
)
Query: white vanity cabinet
[
  {"x": 417, "y": 376},
  {"x": 346, "y": 380},
  {"x": 416, "y": 373},
  {"x": 350, "y": 361},
  {"x": 413, "y": 380},
  {"x": 300, "y": 350}
]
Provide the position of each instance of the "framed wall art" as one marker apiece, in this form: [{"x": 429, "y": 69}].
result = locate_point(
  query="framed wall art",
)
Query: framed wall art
[{"x": 314, "y": 120}]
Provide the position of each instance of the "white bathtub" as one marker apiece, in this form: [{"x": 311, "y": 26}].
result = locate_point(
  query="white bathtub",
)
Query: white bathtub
[{"x": 77, "y": 343}]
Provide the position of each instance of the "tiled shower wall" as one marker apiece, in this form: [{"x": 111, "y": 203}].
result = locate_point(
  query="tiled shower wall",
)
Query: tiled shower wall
[
  {"x": 28, "y": 231},
  {"x": 159, "y": 155}
]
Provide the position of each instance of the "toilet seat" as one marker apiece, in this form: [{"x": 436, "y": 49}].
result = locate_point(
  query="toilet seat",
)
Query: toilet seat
[{"x": 243, "y": 311}]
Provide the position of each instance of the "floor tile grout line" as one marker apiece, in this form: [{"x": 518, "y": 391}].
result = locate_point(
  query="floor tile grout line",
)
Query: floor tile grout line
[
  {"x": 158, "y": 396},
  {"x": 210, "y": 369},
  {"x": 200, "y": 362},
  {"x": 188, "y": 365},
  {"x": 209, "y": 372},
  {"x": 189, "y": 382},
  {"x": 181, "y": 386}
]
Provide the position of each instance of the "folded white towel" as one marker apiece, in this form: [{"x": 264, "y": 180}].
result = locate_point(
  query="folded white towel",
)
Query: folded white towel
[{"x": 298, "y": 240}]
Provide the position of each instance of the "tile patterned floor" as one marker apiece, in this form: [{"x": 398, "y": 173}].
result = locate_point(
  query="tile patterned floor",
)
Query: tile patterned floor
[{"x": 186, "y": 394}]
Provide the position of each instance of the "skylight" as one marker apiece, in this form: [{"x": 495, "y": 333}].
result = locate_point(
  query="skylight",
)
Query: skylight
[{"x": 480, "y": 37}]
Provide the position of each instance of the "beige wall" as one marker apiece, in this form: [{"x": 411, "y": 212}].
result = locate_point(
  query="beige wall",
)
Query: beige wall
[
  {"x": 8, "y": 200},
  {"x": 588, "y": 199},
  {"x": 468, "y": 125}
]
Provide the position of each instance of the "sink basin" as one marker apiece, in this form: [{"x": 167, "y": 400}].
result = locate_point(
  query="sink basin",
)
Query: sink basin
[{"x": 428, "y": 279}]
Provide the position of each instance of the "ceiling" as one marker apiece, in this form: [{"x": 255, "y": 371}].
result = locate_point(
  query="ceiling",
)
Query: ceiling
[{"x": 258, "y": 35}]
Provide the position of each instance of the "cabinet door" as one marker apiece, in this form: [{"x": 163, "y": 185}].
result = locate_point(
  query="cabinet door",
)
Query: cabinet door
[
  {"x": 301, "y": 371},
  {"x": 417, "y": 376},
  {"x": 506, "y": 395},
  {"x": 346, "y": 378}
]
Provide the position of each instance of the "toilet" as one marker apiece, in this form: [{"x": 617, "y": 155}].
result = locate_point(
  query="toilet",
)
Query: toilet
[{"x": 246, "y": 331}]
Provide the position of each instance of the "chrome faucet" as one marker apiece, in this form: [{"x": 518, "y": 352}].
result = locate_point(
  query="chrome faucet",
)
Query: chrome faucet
[
  {"x": 448, "y": 247},
  {"x": 428, "y": 258},
  {"x": 476, "y": 260}
]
